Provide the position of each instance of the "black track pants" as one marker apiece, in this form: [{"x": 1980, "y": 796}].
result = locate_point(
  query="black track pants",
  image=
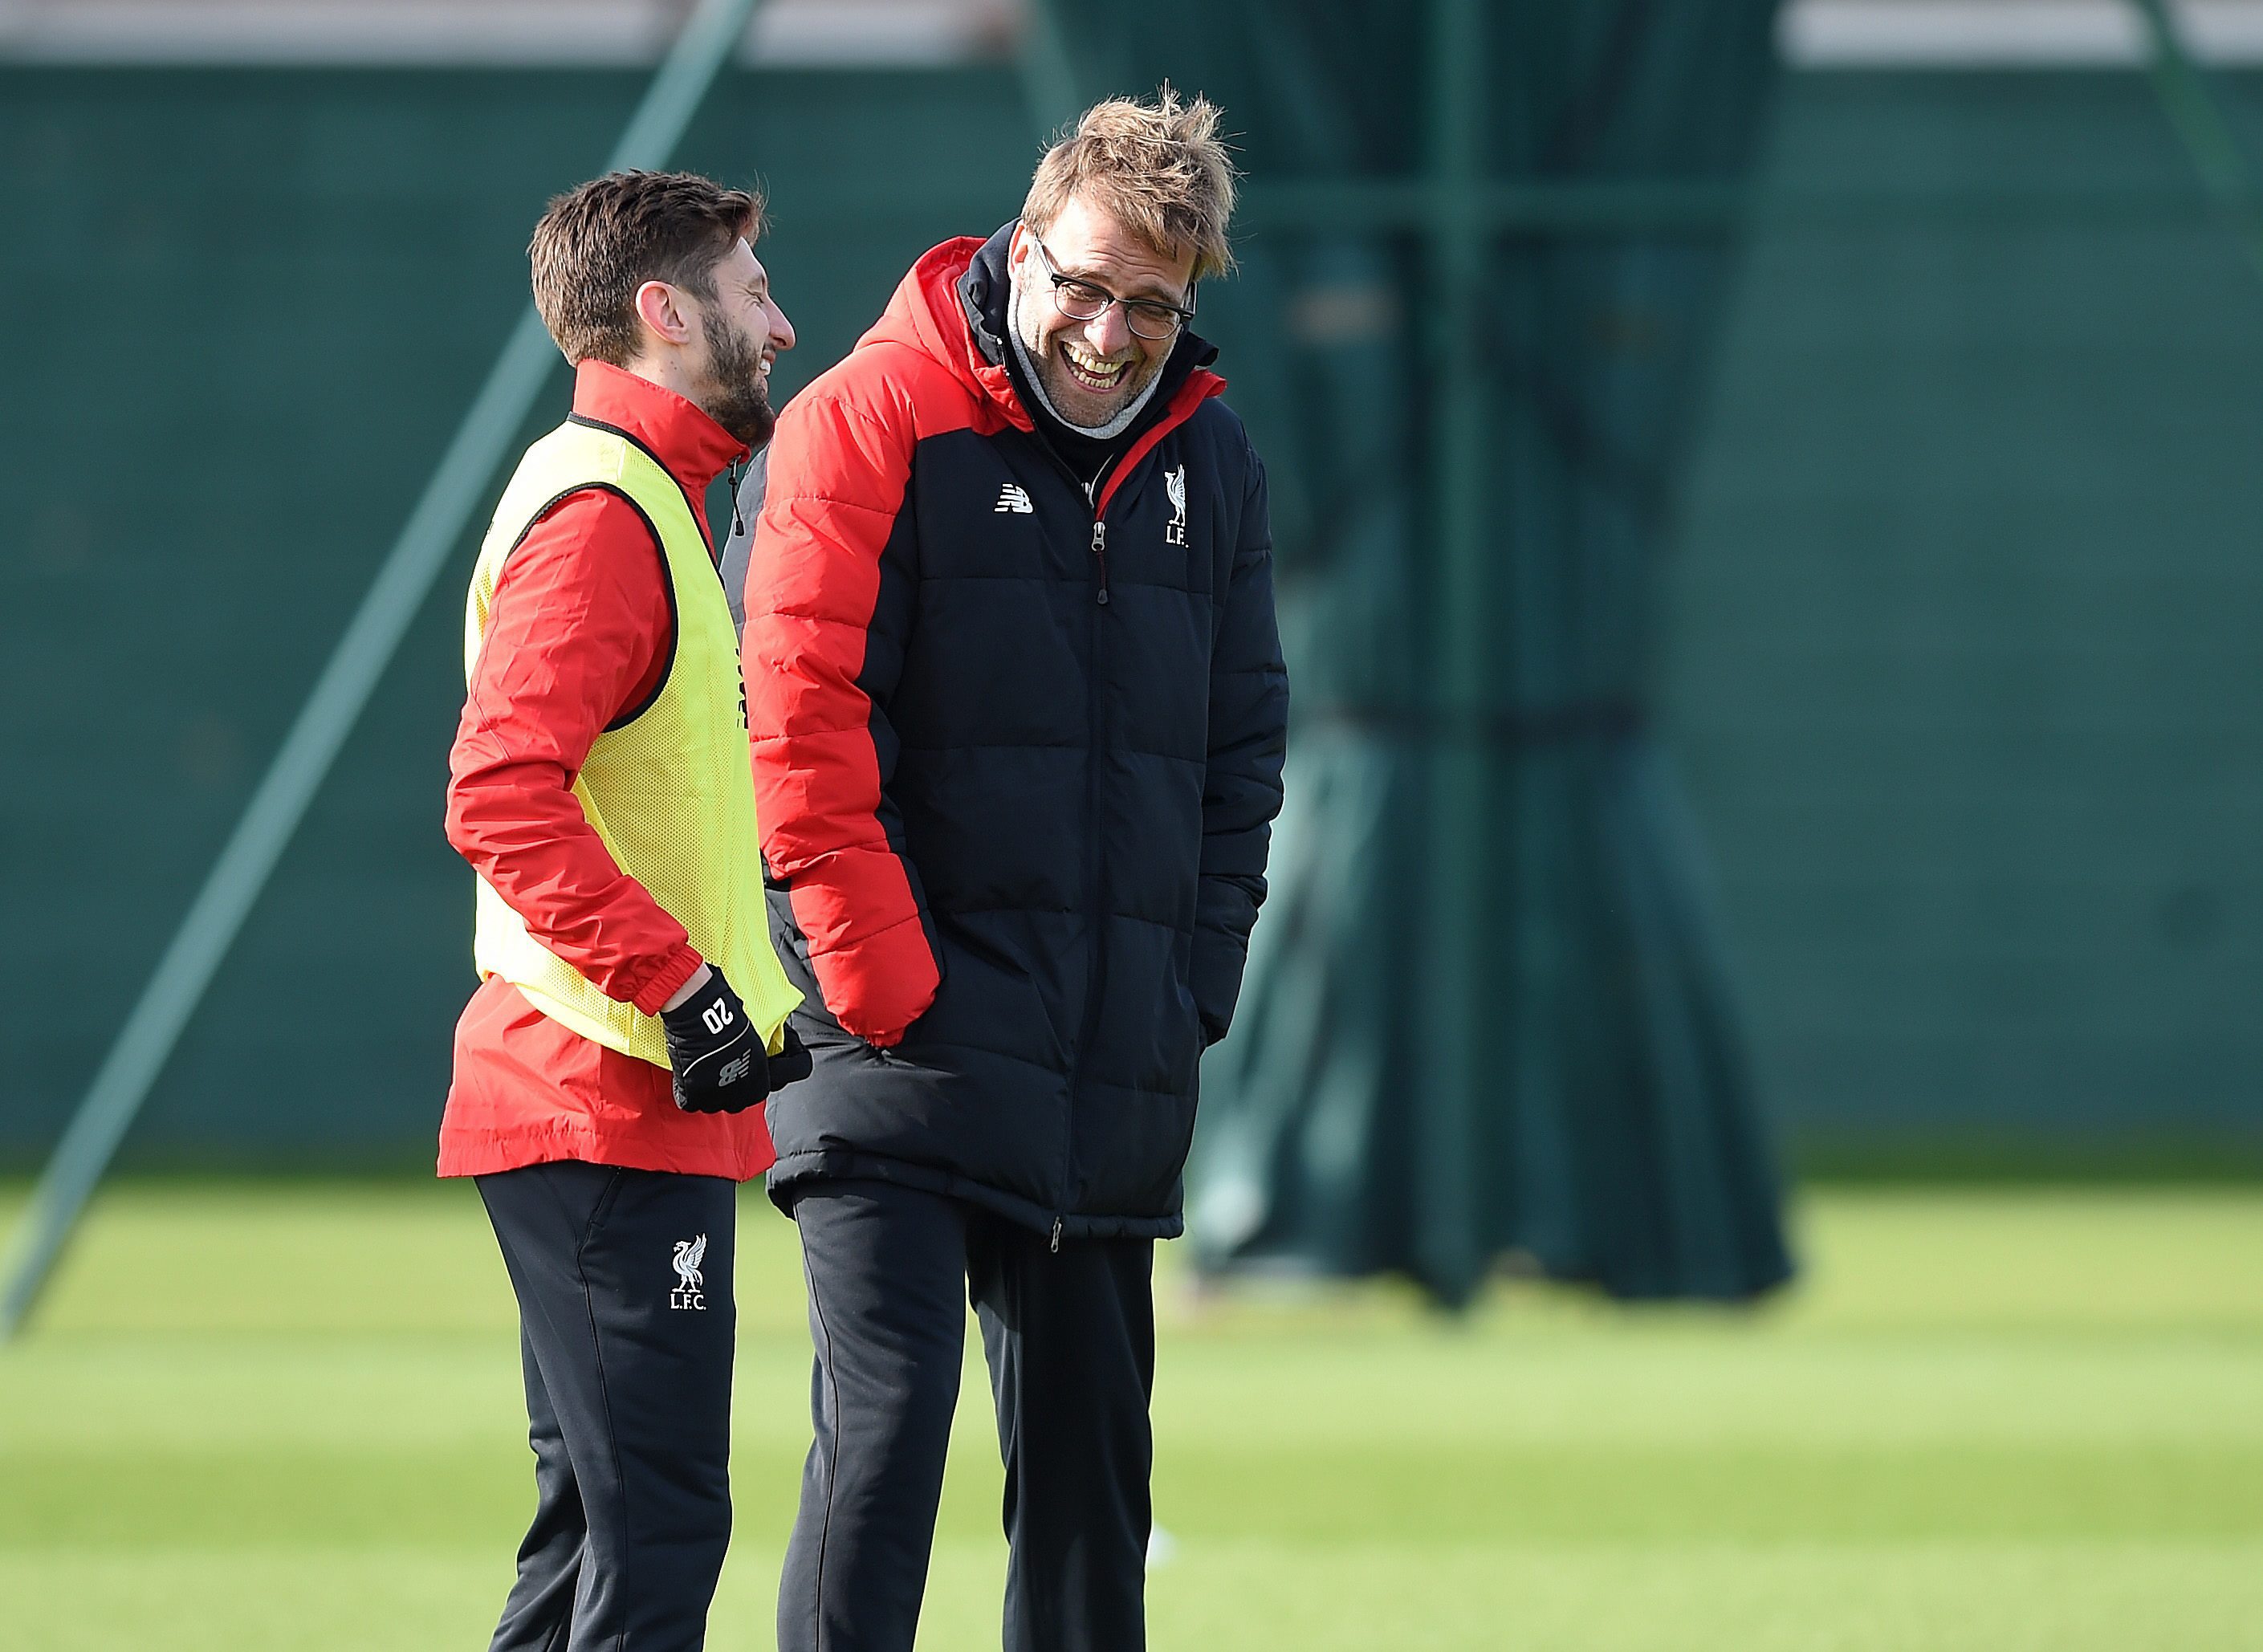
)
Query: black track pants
[
  {"x": 628, "y": 1402},
  {"x": 1071, "y": 1341}
]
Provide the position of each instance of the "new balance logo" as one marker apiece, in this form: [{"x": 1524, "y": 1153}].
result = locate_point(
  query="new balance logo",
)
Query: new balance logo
[{"x": 1015, "y": 498}]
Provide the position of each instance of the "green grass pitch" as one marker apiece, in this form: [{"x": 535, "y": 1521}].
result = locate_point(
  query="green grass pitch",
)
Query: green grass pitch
[{"x": 285, "y": 1416}]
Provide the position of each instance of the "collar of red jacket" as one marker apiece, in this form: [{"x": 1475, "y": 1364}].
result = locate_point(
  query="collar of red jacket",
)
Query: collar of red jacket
[
  {"x": 691, "y": 446},
  {"x": 926, "y": 315}
]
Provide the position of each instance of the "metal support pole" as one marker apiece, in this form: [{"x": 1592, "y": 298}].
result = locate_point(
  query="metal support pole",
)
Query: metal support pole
[
  {"x": 2208, "y": 137},
  {"x": 232, "y": 887},
  {"x": 1456, "y": 865}
]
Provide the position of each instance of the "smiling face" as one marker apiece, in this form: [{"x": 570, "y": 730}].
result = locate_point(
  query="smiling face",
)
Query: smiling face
[
  {"x": 1091, "y": 370},
  {"x": 742, "y": 331}
]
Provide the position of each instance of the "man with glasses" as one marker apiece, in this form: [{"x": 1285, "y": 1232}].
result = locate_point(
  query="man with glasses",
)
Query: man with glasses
[{"x": 1018, "y": 710}]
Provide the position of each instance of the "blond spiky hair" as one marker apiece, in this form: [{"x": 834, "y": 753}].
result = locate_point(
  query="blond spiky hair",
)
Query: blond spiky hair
[{"x": 1159, "y": 168}]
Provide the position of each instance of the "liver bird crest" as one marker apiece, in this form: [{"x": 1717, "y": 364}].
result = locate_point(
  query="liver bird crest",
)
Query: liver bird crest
[{"x": 689, "y": 1255}]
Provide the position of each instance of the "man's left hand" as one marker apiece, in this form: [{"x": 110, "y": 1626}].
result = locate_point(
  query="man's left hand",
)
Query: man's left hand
[{"x": 713, "y": 1052}]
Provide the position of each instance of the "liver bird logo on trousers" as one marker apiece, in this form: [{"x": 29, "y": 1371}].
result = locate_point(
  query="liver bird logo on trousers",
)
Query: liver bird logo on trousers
[{"x": 690, "y": 1287}]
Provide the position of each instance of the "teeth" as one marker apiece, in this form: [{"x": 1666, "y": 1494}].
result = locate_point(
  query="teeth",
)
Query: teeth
[{"x": 1092, "y": 365}]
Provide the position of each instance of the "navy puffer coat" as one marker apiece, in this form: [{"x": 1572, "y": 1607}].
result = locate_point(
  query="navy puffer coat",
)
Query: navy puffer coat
[{"x": 1016, "y": 755}]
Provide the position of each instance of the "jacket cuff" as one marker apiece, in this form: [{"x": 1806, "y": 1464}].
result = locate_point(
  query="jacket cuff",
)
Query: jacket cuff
[
  {"x": 682, "y": 965},
  {"x": 1214, "y": 978},
  {"x": 877, "y": 985}
]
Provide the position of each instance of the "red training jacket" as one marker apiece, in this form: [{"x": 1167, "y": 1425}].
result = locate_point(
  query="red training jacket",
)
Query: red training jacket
[{"x": 577, "y": 635}]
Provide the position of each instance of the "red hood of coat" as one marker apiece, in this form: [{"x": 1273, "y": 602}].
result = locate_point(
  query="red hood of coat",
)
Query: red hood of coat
[{"x": 926, "y": 315}]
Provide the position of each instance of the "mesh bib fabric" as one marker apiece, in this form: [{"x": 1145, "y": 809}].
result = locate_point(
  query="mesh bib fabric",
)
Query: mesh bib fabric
[{"x": 669, "y": 792}]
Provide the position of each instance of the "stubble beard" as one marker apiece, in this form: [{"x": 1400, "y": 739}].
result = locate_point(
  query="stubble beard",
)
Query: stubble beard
[
  {"x": 735, "y": 395},
  {"x": 1071, "y": 399}
]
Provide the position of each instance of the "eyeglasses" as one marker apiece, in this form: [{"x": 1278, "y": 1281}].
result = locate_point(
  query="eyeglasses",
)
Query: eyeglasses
[{"x": 1081, "y": 301}]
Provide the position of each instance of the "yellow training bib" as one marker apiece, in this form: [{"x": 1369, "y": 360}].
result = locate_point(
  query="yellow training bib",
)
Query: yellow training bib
[{"x": 670, "y": 790}]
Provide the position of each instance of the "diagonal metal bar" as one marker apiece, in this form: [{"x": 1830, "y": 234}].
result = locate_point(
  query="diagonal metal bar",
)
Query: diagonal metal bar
[
  {"x": 146, "y": 1040},
  {"x": 2207, "y": 135}
]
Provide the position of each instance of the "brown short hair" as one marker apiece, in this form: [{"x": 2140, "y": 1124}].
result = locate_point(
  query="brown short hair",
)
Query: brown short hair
[
  {"x": 1159, "y": 168},
  {"x": 599, "y": 243}
]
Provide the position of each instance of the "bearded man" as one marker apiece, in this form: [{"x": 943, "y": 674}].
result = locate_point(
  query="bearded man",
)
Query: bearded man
[
  {"x": 608, "y": 1071},
  {"x": 1019, "y": 712}
]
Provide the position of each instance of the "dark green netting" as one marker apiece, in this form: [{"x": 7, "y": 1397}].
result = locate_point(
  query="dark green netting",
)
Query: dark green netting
[{"x": 1484, "y": 1017}]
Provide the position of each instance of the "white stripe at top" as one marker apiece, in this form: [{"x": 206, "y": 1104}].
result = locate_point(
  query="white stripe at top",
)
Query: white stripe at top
[
  {"x": 2006, "y": 34},
  {"x": 508, "y": 33}
]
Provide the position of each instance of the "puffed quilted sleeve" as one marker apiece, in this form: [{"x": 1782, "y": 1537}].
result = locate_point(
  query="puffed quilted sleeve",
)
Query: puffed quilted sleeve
[
  {"x": 826, "y": 607},
  {"x": 1241, "y": 789}
]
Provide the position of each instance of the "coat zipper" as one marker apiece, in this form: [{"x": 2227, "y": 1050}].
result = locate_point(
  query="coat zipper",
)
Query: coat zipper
[
  {"x": 1093, "y": 991},
  {"x": 1096, "y": 899},
  {"x": 1096, "y": 988}
]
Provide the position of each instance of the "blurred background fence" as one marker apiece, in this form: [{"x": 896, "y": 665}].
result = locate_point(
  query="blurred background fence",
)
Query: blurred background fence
[
  {"x": 1963, "y": 620},
  {"x": 1966, "y": 629}
]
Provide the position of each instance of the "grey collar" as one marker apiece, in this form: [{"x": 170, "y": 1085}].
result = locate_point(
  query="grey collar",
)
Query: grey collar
[{"x": 1116, "y": 426}]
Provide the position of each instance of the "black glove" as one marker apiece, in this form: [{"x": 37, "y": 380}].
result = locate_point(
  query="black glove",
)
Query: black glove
[
  {"x": 791, "y": 1061},
  {"x": 714, "y": 1052}
]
